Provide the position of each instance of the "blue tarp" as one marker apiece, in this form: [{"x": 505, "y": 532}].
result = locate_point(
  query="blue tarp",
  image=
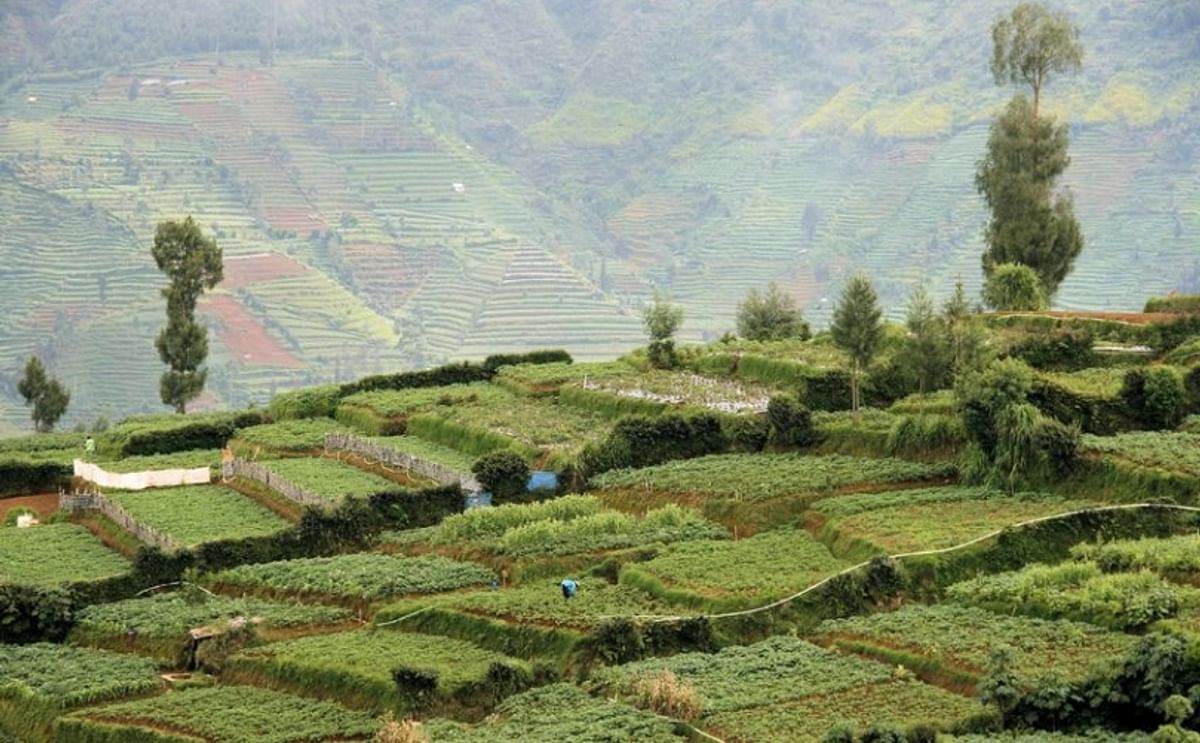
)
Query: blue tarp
[
  {"x": 477, "y": 500},
  {"x": 541, "y": 480}
]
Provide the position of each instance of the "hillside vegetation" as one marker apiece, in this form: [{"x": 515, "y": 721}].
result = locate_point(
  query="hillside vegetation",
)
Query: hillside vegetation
[{"x": 409, "y": 183}]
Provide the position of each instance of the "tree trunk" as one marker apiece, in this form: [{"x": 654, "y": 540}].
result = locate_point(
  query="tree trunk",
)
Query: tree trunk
[{"x": 854, "y": 391}]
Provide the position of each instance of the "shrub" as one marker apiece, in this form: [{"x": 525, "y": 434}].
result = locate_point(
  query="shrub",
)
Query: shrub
[
  {"x": 770, "y": 316},
  {"x": 551, "y": 356},
  {"x": 307, "y": 402},
  {"x": 168, "y": 434},
  {"x": 20, "y": 474},
  {"x": 1156, "y": 397},
  {"x": 418, "y": 683},
  {"x": 1181, "y": 304},
  {"x": 440, "y": 376},
  {"x": 746, "y": 433},
  {"x": 638, "y": 441},
  {"x": 502, "y": 473},
  {"x": 1014, "y": 286},
  {"x": 789, "y": 423},
  {"x": 1068, "y": 349},
  {"x": 1192, "y": 383},
  {"x": 664, "y": 694}
]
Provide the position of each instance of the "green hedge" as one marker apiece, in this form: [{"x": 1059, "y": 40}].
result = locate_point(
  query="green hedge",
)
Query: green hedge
[
  {"x": 1175, "y": 304},
  {"x": 468, "y": 439},
  {"x": 369, "y": 422},
  {"x": 20, "y": 474},
  {"x": 550, "y": 356},
  {"x": 609, "y": 404},
  {"x": 639, "y": 441},
  {"x": 1103, "y": 416},
  {"x": 308, "y": 402},
  {"x": 440, "y": 376},
  {"x": 167, "y": 434}
]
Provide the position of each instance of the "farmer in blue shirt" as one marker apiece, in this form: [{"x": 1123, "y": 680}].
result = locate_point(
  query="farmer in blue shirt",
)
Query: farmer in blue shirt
[{"x": 569, "y": 587}]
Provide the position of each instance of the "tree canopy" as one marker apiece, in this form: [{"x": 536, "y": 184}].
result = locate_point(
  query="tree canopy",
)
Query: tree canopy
[
  {"x": 1033, "y": 43},
  {"x": 858, "y": 329},
  {"x": 770, "y": 316}
]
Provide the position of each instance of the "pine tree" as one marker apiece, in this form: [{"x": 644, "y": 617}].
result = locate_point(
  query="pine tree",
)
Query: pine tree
[
  {"x": 858, "y": 330},
  {"x": 662, "y": 319},
  {"x": 964, "y": 332},
  {"x": 1026, "y": 152},
  {"x": 927, "y": 350},
  {"x": 193, "y": 263}
]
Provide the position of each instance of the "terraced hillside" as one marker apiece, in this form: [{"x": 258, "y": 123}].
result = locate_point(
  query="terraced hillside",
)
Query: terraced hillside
[{"x": 391, "y": 191}]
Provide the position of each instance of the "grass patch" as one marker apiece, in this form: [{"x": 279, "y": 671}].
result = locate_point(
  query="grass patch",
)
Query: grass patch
[{"x": 53, "y": 554}]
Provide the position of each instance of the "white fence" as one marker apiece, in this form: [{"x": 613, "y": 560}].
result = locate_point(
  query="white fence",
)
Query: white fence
[
  {"x": 141, "y": 480},
  {"x": 254, "y": 471}
]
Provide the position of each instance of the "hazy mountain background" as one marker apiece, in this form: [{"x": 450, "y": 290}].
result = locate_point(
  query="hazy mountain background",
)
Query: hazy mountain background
[{"x": 400, "y": 182}]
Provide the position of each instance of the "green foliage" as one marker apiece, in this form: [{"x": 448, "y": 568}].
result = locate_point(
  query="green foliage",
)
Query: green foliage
[
  {"x": 1025, "y": 156},
  {"x": 927, "y": 349},
  {"x": 1014, "y": 287},
  {"x": 62, "y": 676},
  {"x": 637, "y": 441},
  {"x": 1171, "y": 555},
  {"x": 1124, "y": 601},
  {"x": 1033, "y": 43},
  {"x": 221, "y": 714},
  {"x": 1068, "y": 349},
  {"x": 486, "y": 524},
  {"x": 765, "y": 566},
  {"x": 172, "y": 614},
  {"x": 199, "y": 513},
  {"x": 503, "y": 473},
  {"x": 770, "y": 316},
  {"x": 427, "y": 450},
  {"x": 789, "y": 423},
  {"x": 1155, "y": 396},
  {"x": 965, "y": 332},
  {"x": 857, "y": 328},
  {"x": 662, "y": 320},
  {"x": 440, "y": 376},
  {"x": 1181, "y": 304},
  {"x": 33, "y": 614},
  {"x": 556, "y": 713},
  {"x": 951, "y": 637},
  {"x": 359, "y": 668},
  {"x": 163, "y": 434},
  {"x": 607, "y": 530},
  {"x": 307, "y": 402},
  {"x": 55, "y": 554},
  {"x": 364, "y": 576},
  {"x": 20, "y": 473},
  {"x": 329, "y": 478},
  {"x": 192, "y": 263},
  {"x": 45, "y": 393},
  {"x": 769, "y": 476},
  {"x": 549, "y": 356},
  {"x": 299, "y": 435},
  {"x": 180, "y": 459}
]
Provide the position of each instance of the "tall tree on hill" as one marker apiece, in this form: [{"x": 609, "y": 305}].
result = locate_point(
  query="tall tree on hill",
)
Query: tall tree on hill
[
  {"x": 193, "y": 263},
  {"x": 770, "y": 316},
  {"x": 45, "y": 393},
  {"x": 1031, "y": 224},
  {"x": 927, "y": 349},
  {"x": 858, "y": 330}
]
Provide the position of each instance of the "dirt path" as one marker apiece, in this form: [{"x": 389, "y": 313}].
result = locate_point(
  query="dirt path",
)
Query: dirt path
[{"x": 45, "y": 505}]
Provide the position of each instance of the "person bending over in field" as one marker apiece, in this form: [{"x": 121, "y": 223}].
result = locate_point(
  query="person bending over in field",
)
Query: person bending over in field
[{"x": 569, "y": 587}]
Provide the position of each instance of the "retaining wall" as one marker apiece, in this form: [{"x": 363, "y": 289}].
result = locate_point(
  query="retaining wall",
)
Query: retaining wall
[
  {"x": 254, "y": 471},
  {"x": 74, "y": 502},
  {"x": 407, "y": 462}
]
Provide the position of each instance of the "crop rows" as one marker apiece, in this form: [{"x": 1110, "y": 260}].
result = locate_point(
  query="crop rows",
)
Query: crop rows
[
  {"x": 363, "y": 576},
  {"x": 197, "y": 514},
  {"x": 1177, "y": 452},
  {"x": 298, "y": 435},
  {"x": 226, "y": 714},
  {"x": 329, "y": 478},
  {"x": 962, "y": 639},
  {"x": 427, "y": 450},
  {"x": 762, "y": 477},
  {"x": 55, "y": 553},
  {"x": 1178, "y": 555},
  {"x": 65, "y": 676}
]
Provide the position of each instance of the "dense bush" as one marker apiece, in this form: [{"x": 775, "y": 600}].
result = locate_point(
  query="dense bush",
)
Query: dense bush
[
  {"x": 20, "y": 474},
  {"x": 440, "y": 376},
  {"x": 167, "y": 434},
  {"x": 550, "y": 356},
  {"x": 307, "y": 402},
  {"x": 503, "y": 473},
  {"x": 746, "y": 433},
  {"x": 1177, "y": 304},
  {"x": 638, "y": 441},
  {"x": 32, "y": 614},
  {"x": 1014, "y": 286},
  {"x": 1156, "y": 397},
  {"x": 789, "y": 423},
  {"x": 1066, "y": 349}
]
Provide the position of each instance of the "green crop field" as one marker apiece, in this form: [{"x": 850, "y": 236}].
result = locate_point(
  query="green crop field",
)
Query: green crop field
[
  {"x": 64, "y": 676},
  {"x": 1177, "y": 555},
  {"x": 541, "y": 603},
  {"x": 557, "y": 713},
  {"x": 164, "y": 619},
  {"x": 292, "y": 435},
  {"x": 53, "y": 554},
  {"x": 224, "y": 714},
  {"x": 910, "y": 520},
  {"x": 960, "y": 639},
  {"x": 764, "y": 566},
  {"x": 742, "y": 477},
  {"x": 196, "y": 514},
  {"x": 364, "y": 576},
  {"x": 787, "y": 689},
  {"x": 177, "y": 460},
  {"x": 1176, "y": 452},
  {"x": 427, "y": 450},
  {"x": 329, "y": 478},
  {"x": 356, "y": 667}
]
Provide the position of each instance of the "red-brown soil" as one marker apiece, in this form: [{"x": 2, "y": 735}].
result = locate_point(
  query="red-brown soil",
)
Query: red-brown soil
[
  {"x": 246, "y": 338},
  {"x": 253, "y": 269}
]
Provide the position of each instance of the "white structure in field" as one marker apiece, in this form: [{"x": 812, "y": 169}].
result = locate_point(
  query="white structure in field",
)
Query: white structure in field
[{"x": 142, "y": 480}]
